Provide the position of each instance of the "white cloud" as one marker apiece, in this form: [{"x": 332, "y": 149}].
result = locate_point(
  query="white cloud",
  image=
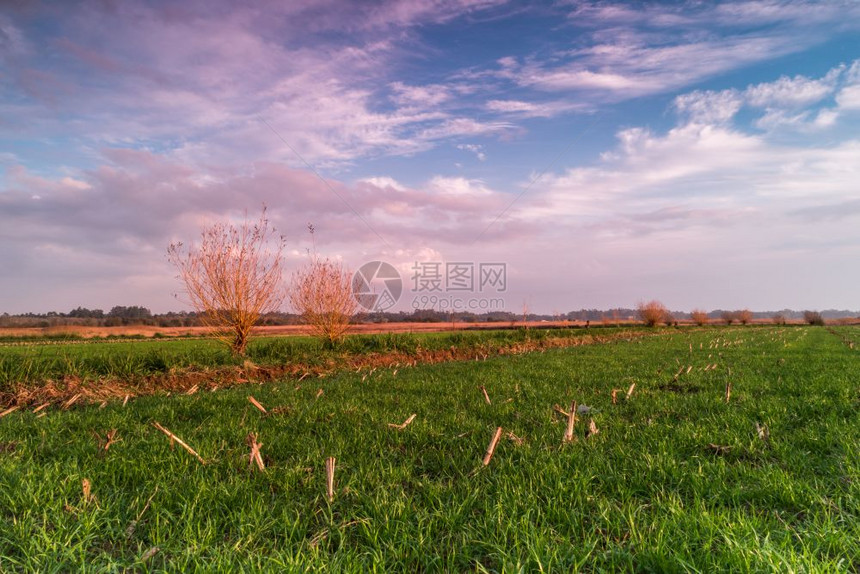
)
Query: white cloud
[
  {"x": 849, "y": 98},
  {"x": 709, "y": 107},
  {"x": 838, "y": 14},
  {"x": 633, "y": 68},
  {"x": 511, "y": 106},
  {"x": 463, "y": 127},
  {"x": 852, "y": 75},
  {"x": 825, "y": 118},
  {"x": 407, "y": 12},
  {"x": 476, "y": 149},
  {"x": 792, "y": 92},
  {"x": 458, "y": 186},
  {"x": 694, "y": 175},
  {"x": 567, "y": 79},
  {"x": 793, "y": 103},
  {"x": 404, "y": 260},
  {"x": 686, "y": 16},
  {"x": 383, "y": 182},
  {"x": 75, "y": 183},
  {"x": 519, "y": 108},
  {"x": 659, "y": 47},
  {"x": 423, "y": 96},
  {"x": 773, "y": 119}
]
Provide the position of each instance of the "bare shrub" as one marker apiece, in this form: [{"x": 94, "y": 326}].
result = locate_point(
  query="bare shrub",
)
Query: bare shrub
[
  {"x": 744, "y": 316},
  {"x": 813, "y": 318},
  {"x": 321, "y": 292},
  {"x": 233, "y": 277},
  {"x": 778, "y": 319},
  {"x": 728, "y": 317},
  {"x": 699, "y": 317},
  {"x": 653, "y": 313}
]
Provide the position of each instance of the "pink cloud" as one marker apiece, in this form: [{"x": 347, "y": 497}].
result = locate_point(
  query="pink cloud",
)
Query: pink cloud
[{"x": 142, "y": 198}]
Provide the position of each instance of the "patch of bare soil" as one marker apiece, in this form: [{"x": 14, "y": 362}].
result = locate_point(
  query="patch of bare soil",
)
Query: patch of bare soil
[{"x": 75, "y": 391}]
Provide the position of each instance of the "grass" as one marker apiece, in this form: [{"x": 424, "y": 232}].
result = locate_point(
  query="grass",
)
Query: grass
[
  {"x": 34, "y": 364},
  {"x": 647, "y": 493},
  {"x": 27, "y": 365},
  {"x": 849, "y": 335}
]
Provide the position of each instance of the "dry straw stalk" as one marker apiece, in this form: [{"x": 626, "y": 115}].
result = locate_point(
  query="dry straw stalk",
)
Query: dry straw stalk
[
  {"x": 571, "y": 421},
  {"x": 329, "y": 477},
  {"x": 179, "y": 441},
  {"x": 491, "y": 449}
]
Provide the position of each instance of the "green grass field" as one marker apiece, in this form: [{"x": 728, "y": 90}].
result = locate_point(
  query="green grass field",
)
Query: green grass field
[
  {"x": 27, "y": 362},
  {"x": 677, "y": 479}
]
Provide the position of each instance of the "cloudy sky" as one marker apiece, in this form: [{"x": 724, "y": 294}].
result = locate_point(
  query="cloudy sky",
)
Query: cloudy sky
[{"x": 704, "y": 154}]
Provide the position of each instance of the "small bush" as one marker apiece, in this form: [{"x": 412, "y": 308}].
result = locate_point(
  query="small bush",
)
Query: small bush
[
  {"x": 744, "y": 316},
  {"x": 699, "y": 317},
  {"x": 728, "y": 317},
  {"x": 813, "y": 318},
  {"x": 778, "y": 319},
  {"x": 232, "y": 278},
  {"x": 653, "y": 313},
  {"x": 321, "y": 292}
]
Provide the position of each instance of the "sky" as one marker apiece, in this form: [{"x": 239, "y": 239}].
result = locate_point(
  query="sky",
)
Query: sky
[{"x": 705, "y": 154}]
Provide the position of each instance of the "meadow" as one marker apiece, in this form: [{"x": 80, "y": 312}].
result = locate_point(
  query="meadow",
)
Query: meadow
[
  {"x": 730, "y": 449},
  {"x": 70, "y": 361}
]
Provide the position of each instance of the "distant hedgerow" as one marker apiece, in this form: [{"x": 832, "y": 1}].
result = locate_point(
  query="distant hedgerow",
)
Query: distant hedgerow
[
  {"x": 653, "y": 313},
  {"x": 813, "y": 318},
  {"x": 699, "y": 317}
]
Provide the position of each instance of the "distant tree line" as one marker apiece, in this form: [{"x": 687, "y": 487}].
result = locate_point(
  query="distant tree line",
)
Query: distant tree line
[
  {"x": 139, "y": 315},
  {"x": 122, "y": 316}
]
